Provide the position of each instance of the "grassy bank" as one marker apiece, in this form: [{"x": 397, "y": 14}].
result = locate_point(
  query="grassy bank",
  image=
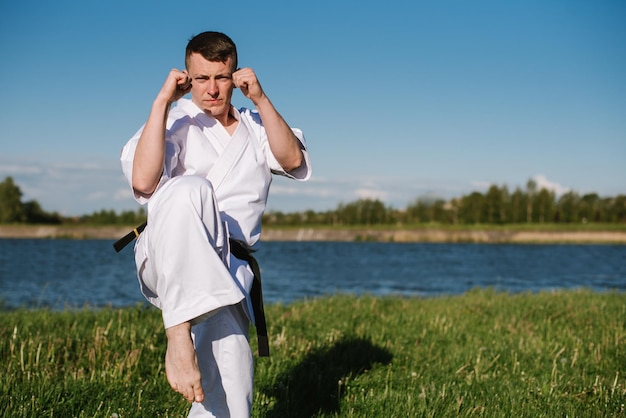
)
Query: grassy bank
[
  {"x": 500, "y": 234},
  {"x": 482, "y": 354}
]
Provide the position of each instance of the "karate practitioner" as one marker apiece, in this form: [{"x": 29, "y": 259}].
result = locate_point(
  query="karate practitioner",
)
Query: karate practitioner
[{"x": 204, "y": 170}]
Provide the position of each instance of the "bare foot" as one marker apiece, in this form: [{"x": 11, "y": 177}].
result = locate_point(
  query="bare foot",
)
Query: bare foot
[{"x": 181, "y": 363}]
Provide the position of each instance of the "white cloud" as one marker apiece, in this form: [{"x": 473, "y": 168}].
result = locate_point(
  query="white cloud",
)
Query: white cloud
[
  {"x": 68, "y": 187},
  {"x": 12, "y": 170},
  {"x": 123, "y": 194},
  {"x": 86, "y": 185},
  {"x": 99, "y": 195},
  {"x": 281, "y": 189},
  {"x": 323, "y": 193},
  {"x": 372, "y": 194},
  {"x": 80, "y": 166},
  {"x": 480, "y": 185},
  {"x": 544, "y": 183}
]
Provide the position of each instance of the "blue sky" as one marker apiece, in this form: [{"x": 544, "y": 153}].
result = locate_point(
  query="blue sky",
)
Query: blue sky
[{"x": 398, "y": 100}]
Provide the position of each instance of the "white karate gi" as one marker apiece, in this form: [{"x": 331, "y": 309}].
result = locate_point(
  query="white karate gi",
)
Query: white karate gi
[{"x": 213, "y": 187}]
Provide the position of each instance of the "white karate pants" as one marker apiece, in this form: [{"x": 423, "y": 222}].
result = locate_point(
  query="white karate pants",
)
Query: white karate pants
[
  {"x": 185, "y": 269},
  {"x": 226, "y": 364}
]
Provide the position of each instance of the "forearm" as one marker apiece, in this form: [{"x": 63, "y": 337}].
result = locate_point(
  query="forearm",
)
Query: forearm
[
  {"x": 182, "y": 330},
  {"x": 283, "y": 143},
  {"x": 150, "y": 151}
]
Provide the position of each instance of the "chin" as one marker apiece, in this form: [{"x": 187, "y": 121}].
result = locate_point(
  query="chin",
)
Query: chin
[{"x": 214, "y": 109}]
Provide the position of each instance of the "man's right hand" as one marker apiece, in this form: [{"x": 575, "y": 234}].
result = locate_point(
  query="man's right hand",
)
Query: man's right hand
[
  {"x": 176, "y": 85},
  {"x": 150, "y": 151}
]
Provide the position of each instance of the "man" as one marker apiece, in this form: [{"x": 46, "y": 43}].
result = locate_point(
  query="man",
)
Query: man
[{"x": 204, "y": 170}]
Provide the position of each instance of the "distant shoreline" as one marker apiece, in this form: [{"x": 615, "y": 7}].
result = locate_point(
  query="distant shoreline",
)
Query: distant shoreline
[{"x": 434, "y": 235}]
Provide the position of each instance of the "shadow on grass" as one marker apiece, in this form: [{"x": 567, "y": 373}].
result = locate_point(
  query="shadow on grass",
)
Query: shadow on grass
[{"x": 312, "y": 387}]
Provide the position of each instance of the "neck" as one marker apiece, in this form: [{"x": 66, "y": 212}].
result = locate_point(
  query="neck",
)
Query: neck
[
  {"x": 228, "y": 121},
  {"x": 227, "y": 118}
]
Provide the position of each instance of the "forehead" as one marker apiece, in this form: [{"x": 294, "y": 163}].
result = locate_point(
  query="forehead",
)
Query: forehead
[{"x": 200, "y": 65}]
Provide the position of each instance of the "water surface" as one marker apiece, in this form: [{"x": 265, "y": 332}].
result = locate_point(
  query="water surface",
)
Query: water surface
[{"x": 73, "y": 273}]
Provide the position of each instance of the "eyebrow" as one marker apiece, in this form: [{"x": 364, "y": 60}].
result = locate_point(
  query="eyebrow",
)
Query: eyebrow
[{"x": 229, "y": 75}]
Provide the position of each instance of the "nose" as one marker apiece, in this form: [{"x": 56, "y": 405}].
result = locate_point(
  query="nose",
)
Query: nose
[{"x": 212, "y": 87}]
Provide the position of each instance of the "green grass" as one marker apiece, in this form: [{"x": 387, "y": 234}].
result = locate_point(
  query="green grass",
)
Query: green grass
[{"x": 484, "y": 353}]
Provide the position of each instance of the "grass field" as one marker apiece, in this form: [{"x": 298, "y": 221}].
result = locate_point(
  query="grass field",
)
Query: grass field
[{"x": 483, "y": 354}]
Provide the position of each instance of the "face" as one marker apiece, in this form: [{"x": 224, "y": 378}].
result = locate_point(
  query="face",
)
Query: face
[{"x": 211, "y": 85}]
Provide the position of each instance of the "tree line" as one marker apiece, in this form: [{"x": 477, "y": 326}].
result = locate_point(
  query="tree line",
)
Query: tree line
[
  {"x": 496, "y": 206},
  {"x": 14, "y": 211}
]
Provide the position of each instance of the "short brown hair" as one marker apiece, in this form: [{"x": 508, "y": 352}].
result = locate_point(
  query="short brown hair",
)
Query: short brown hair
[{"x": 213, "y": 46}]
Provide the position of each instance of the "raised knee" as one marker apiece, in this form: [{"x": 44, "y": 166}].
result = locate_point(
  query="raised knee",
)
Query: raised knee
[
  {"x": 190, "y": 185},
  {"x": 186, "y": 192}
]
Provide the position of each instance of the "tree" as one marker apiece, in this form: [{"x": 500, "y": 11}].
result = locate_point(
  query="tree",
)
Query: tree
[
  {"x": 516, "y": 214},
  {"x": 417, "y": 212},
  {"x": 452, "y": 207},
  {"x": 618, "y": 209},
  {"x": 545, "y": 205},
  {"x": 495, "y": 201},
  {"x": 438, "y": 211},
  {"x": 11, "y": 209},
  {"x": 568, "y": 207},
  {"x": 34, "y": 213},
  {"x": 531, "y": 189},
  {"x": 505, "y": 200},
  {"x": 472, "y": 208},
  {"x": 589, "y": 208},
  {"x": 363, "y": 212}
]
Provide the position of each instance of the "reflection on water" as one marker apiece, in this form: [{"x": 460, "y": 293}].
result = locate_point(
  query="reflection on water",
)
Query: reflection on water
[{"x": 68, "y": 273}]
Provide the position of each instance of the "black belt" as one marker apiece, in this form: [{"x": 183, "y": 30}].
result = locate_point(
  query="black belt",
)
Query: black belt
[
  {"x": 256, "y": 292},
  {"x": 128, "y": 238}
]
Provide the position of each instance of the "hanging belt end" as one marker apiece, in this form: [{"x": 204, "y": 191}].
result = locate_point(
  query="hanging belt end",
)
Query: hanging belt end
[{"x": 264, "y": 347}]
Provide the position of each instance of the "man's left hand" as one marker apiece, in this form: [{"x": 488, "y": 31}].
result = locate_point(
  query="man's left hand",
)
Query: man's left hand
[{"x": 245, "y": 79}]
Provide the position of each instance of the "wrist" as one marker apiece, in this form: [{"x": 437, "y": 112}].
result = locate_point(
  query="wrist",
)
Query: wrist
[
  {"x": 162, "y": 100},
  {"x": 263, "y": 102},
  {"x": 161, "y": 106},
  {"x": 180, "y": 330}
]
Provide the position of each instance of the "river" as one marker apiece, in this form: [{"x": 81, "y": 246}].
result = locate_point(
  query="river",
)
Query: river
[{"x": 61, "y": 274}]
